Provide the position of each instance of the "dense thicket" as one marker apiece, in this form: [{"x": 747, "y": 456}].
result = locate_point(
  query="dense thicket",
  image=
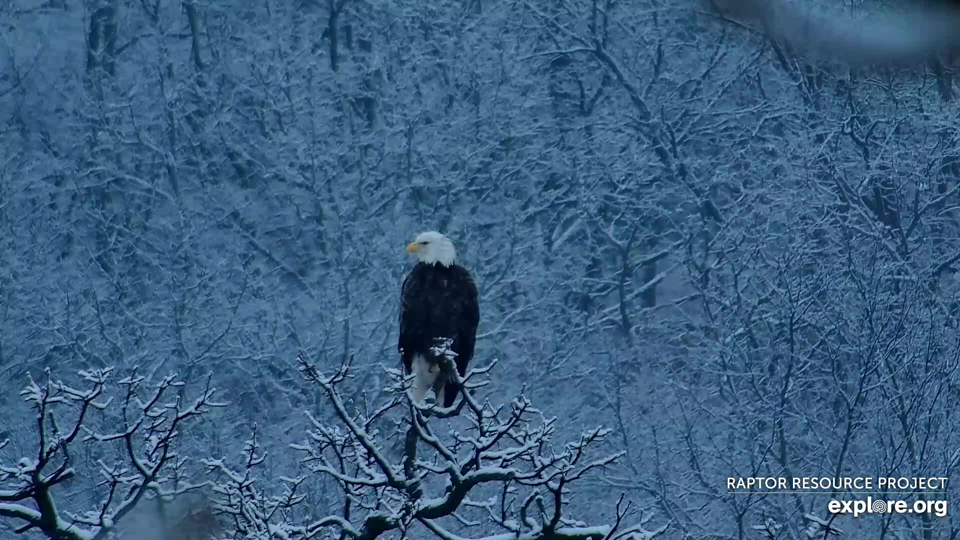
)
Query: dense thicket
[{"x": 742, "y": 262}]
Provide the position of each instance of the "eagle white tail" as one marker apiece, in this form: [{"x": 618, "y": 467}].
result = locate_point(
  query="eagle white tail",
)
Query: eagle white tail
[{"x": 425, "y": 376}]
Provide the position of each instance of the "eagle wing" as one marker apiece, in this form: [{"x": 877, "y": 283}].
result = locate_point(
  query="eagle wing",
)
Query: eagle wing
[
  {"x": 467, "y": 333},
  {"x": 410, "y": 311}
]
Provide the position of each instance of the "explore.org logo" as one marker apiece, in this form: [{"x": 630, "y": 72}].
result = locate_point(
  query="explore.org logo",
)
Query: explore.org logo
[
  {"x": 871, "y": 506},
  {"x": 928, "y": 493}
]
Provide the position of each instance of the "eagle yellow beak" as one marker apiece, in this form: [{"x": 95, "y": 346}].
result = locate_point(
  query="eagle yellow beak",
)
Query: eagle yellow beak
[{"x": 413, "y": 247}]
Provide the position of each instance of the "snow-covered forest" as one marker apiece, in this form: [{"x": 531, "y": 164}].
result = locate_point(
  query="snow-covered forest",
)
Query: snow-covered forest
[{"x": 700, "y": 255}]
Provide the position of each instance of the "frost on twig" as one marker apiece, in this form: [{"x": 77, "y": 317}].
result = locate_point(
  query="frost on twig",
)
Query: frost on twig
[
  {"x": 147, "y": 419},
  {"x": 498, "y": 476},
  {"x": 503, "y": 478}
]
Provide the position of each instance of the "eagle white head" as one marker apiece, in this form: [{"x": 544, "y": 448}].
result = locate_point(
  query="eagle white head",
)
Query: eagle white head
[{"x": 432, "y": 247}]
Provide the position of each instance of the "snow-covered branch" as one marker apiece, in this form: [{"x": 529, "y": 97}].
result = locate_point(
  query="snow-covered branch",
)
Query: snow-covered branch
[
  {"x": 151, "y": 418},
  {"x": 502, "y": 473},
  {"x": 502, "y": 476}
]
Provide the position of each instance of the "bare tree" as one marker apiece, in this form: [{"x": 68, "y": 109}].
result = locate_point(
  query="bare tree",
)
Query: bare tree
[
  {"x": 143, "y": 423},
  {"x": 501, "y": 477}
]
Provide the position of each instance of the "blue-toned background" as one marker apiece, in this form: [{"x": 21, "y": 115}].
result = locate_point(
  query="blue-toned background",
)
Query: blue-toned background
[{"x": 741, "y": 261}]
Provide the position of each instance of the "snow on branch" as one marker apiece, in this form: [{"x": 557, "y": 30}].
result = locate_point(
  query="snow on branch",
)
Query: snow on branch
[
  {"x": 150, "y": 418},
  {"x": 502, "y": 479},
  {"x": 474, "y": 471}
]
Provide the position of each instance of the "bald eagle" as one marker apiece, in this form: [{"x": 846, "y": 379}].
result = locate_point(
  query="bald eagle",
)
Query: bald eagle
[{"x": 439, "y": 314}]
